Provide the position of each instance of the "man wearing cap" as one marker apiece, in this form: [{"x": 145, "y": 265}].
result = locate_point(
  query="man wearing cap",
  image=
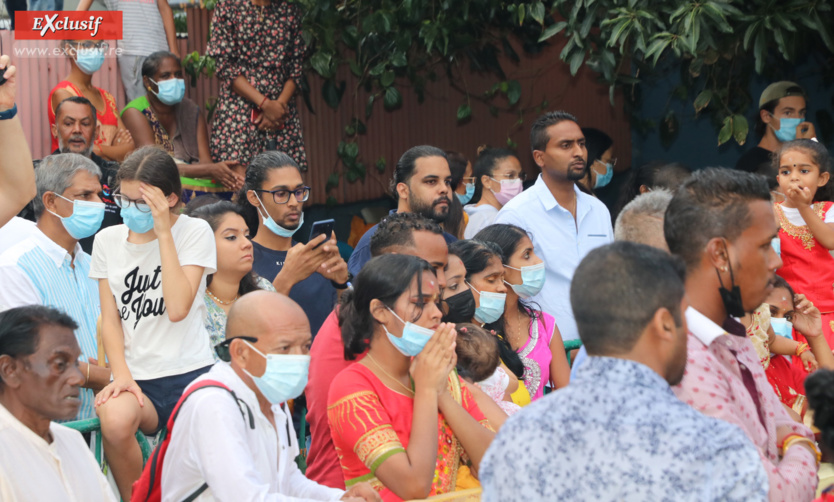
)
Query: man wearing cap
[{"x": 781, "y": 118}]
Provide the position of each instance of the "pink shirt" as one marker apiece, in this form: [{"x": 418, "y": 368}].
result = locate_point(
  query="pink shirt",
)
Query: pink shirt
[
  {"x": 713, "y": 384},
  {"x": 536, "y": 355}
]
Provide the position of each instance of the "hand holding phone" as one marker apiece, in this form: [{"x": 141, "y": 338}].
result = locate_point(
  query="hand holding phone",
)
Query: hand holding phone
[{"x": 322, "y": 227}]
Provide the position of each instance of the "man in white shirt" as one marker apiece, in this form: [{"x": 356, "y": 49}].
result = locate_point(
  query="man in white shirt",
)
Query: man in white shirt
[
  {"x": 39, "y": 383},
  {"x": 50, "y": 268},
  {"x": 243, "y": 447},
  {"x": 563, "y": 222}
]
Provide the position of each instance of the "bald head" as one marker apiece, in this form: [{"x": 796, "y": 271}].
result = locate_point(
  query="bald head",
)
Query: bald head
[{"x": 259, "y": 312}]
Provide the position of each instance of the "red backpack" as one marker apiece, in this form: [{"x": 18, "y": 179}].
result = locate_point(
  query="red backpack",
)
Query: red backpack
[{"x": 148, "y": 488}]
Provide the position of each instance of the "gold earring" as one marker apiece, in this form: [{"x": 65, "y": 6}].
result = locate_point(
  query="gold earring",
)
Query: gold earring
[{"x": 724, "y": 269}]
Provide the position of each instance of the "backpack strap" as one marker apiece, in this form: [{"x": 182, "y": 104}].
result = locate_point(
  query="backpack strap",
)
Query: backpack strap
[{"x": 202, "y": 384}]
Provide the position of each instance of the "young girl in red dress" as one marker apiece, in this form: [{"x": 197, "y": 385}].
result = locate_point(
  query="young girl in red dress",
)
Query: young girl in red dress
[{"x": 806, "y": 222}]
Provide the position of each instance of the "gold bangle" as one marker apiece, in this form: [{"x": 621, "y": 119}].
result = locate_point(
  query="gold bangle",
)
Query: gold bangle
[
  {"x": 793, "y": 440},
  {"x": 87, "y": 380}
]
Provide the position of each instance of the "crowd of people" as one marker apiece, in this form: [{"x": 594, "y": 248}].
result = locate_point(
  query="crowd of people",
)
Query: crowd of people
[{"x": 434, "y": 359}]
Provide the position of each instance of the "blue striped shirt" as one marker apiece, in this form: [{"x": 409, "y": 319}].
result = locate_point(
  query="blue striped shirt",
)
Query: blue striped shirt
[{"x": 37, "y": 271}]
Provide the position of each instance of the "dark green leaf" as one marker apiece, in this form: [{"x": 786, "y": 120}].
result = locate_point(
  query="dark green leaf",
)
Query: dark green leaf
[
  {"x": 352, "y": 150},
  {"x": 726, "y": 131},
  {"x": 576, "y": 62},
  {"x": 551, "y": 30},
  {"x": 369, "y": 108},
  {"x": 740, "y": 129},
  {"x": 387, "y": 79},
  {"x": 380, "y": 164},
  {"x": 332, "y": 93},
  {"x": 393, "y": 99},
  {"x": 332, "y": 181},
  {"x": 669, "y": 129},
  {"x": 493, "y": 110},
  {"x": 513, "y": 92},
  {"x": 350, "y": 130},
  {"x": 321, "y": 63},
  {"x": 398, "y": 59},
  {"x": 464, "y": 112},
  {"x": 702, "y": 101},
  {"x": 537, "y": 12}
]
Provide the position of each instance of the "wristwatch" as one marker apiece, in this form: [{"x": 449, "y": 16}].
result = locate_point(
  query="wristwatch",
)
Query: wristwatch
[
  {"x": 346, "y": 283},
  {"x": 10, "y": 113}
]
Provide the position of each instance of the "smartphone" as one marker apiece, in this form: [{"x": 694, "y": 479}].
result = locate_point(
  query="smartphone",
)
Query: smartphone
[
  {"x": 322, "y": 227},
  {"x": 255, "y": 114}
]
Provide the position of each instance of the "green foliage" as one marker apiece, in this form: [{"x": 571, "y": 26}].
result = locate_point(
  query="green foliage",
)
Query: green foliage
[
  {"x": 711, "y": 42},
  {"x": 196, "y": 65},
  {"x": 390, "y": 46}
]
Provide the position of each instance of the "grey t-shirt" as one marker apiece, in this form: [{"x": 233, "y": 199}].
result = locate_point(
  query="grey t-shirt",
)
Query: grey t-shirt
[{"x": 143, "y": 31}]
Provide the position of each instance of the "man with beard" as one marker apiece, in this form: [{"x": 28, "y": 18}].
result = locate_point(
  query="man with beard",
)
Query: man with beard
[
  {"x": 422, "y": 185},
  {"x": 563, "y": 222},
  {"x": 76, "y": 128},
  {"x": 618, "y": 432},
  {"x": 721, "y": 223}
]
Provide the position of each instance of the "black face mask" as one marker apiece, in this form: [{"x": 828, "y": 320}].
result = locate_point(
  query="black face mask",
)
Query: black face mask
[
  {"x": 732, "y": 297},
  {"x": 461, "y": 307}
]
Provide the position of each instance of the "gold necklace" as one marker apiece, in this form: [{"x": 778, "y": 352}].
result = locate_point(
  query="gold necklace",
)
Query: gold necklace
[
  {"x": 218, "y": 300},
  {"x": 388, "y": 374}
]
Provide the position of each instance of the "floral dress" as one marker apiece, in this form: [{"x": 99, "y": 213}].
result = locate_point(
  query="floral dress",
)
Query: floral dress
[
  {"x": 216, "y": 317},
  {"x": 264, "y": 45}
]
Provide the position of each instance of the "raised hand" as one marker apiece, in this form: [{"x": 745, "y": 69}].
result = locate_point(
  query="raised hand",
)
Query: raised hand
[
  {"x": 431, "y": 367},
  {"x": 160, "y": 209}
]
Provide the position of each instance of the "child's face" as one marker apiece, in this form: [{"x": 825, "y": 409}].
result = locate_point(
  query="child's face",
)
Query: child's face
[
  {"x": 797, "y": 170},
  {"x": 781, "y": 303}
]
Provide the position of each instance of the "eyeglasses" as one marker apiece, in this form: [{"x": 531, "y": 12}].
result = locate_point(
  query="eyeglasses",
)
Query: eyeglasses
[
  {"x": 283, "y": 196},
  {"x": 124, "y": 202},
  {"x": 222, "y": 348},
  {"x": 612, "y": 161},
  {"x": 468, "y": 179}
]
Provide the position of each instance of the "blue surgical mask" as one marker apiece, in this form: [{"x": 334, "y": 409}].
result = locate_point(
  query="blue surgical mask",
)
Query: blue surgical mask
[
  {"x": 89, "y": 60},
  {"x": 284, "y": 378},
  {"x": 782, "y": 327},
  {"x": 413, "y": 339},
  {"x": 171, "y": 91},
  {"x": 604, "y": 179},
  {"x": 470, "y": 191},
  {"x": 274, "y": 227},
  {"x": 532, "y": 278},
  {"x": 787, "y": 129},
  {"x": 490, "y": 306},
  {"x": 137, "y": 221},
  {"x": 85, "y": 219}
]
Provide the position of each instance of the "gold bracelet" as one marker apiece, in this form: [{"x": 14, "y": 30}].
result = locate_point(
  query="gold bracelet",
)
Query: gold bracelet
[
  {"x": 87, "y": 380},
  {"x": 801, "y": 439}
]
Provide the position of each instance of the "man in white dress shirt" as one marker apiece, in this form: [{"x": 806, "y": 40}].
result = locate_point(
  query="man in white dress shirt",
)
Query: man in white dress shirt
[
  {"x": 40, "y": 383},
  {"x": 563, "y": 222},
  {"x": 243, "y": 447}
]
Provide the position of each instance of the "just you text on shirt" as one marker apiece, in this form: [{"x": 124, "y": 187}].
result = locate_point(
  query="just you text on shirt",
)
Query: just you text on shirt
[{"x": 135, "y": 300}]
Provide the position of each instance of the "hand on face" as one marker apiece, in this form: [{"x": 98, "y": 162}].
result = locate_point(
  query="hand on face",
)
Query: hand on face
[{"x": 160, "y": 209}]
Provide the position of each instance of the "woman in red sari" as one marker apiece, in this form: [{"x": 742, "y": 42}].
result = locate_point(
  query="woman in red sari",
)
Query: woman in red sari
[{"x": 405, "y": 425}]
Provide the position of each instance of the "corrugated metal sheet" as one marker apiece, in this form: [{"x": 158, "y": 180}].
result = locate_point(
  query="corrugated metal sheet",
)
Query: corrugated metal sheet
[{"x": 542, "y": 76}]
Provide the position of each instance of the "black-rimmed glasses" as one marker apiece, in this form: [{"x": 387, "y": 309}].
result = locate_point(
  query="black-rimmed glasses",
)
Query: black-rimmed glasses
[
  {"x": 283, "y": 196},
  {"x": 124, "y": 202}
]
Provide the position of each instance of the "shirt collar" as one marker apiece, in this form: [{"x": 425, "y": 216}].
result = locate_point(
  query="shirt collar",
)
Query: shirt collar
[
  {"x": 12, "y": 422},
  {"x": 702, "y": 327},
  {"x": 549, "y": 201},
  {"x": 55, "y": 252}
]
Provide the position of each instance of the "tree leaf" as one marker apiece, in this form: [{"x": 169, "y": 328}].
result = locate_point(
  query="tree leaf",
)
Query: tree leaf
[
  {"x": 513, "y": 92},
  {"x": 352, "y": 150},
  {"x": 332, "y": 182},
  {"x": 369, "y": 108},
  {"x": 380, "y": 164},
  {"x": 552, "y": 30},
  {"x": 398, "y": 59},
  {"x": 387, "y": 79},
  {"x": 537, "y": 12},
  {"x": 740, "y": 129},
  {"x": 321, "y": 63},
  {"x": 393, "y": 99},
  {"x": 702, "y": 100},
  {"x": 726, "y": 131},
  {"x": 464, "y": 112},
  {"x": 576, "y": 61},
  {"x": 332, "y": 93}
]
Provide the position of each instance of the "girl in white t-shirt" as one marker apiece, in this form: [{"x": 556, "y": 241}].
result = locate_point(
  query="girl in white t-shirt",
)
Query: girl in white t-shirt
[
  {"x": 806, "y": 224},
  {"x": 152, "y": 273}
]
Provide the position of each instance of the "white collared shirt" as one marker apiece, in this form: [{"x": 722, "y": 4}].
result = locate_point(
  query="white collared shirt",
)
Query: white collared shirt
[
  {"x": 38, "y": 271},
  {"x": 560, "y": 241},
  {"x": 15, "y": 230},
  {"x": 33, "y": 470},
  {"x": 213, "y": 443}
]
